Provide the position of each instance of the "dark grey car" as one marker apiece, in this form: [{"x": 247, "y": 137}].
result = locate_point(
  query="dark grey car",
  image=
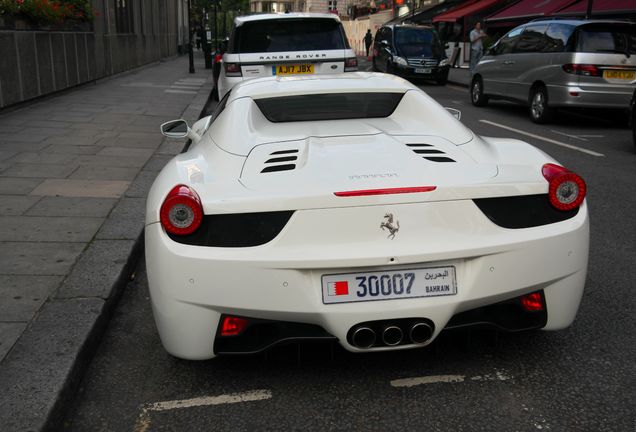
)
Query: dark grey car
[{"x": 549, "y": 64}]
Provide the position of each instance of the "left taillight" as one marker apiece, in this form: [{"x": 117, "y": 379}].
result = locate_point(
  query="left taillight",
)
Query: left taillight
[
  {"x": 351, "y": 64},
  {"x": 181, "y": 212},
  {"x": 566, "y": 189}
]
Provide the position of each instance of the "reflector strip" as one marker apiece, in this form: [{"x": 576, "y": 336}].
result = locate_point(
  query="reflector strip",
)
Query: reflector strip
[{"x": 388, "y": 191}]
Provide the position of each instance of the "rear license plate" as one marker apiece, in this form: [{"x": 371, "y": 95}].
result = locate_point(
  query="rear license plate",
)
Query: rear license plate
[
  {"x": 619, "y": 75},
  {"x": 293, "y": 69},
  {"x": 390, "y": 284},
  {"x": 422, "y": 71}
]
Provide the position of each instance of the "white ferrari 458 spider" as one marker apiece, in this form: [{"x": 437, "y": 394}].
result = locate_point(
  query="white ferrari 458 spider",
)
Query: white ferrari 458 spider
[{"x": 355, "y": 208}]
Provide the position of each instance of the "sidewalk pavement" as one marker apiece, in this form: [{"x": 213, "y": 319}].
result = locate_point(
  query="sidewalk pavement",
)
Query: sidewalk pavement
[
  {"x": 457, "y": 76},
  {"x": 75, "y": 169}
]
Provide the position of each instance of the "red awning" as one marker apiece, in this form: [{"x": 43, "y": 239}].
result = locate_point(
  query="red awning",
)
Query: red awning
[
  {"x": 465, "y": 9},
  {"x": 600, "y": 6},
  {"x": 528, "y": 9}
]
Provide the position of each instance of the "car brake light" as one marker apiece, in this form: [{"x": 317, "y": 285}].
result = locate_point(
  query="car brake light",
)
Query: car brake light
[
  {"x": 233, "y": 69},
  {"x": 532, "y": 302},
  {"x": 181, "y": 212},
  {"x": 233, "y": 326},
  {"x": 566, "y": 189},
  {"x": 218, "y": 58},
  {"x": 389, "y": 191},
  {"x": 351, "y": 64},
  {"x": 582, "y": 69}
]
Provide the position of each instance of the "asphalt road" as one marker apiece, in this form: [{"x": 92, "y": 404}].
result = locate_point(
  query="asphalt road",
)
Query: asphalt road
[{"x": 579, "y": 379}]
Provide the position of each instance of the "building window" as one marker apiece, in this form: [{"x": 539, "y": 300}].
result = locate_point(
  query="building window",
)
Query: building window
[
  {"x": 333, "y": 5},
  {"x": 124, "y": 16}
]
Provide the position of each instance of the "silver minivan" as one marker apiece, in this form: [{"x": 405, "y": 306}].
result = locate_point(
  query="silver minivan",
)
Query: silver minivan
[{"x": 548, "y": 64}]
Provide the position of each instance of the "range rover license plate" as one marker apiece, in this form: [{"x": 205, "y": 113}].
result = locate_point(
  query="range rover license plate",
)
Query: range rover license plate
[
  {"x": 389, "y": 284},
  {"x": 293, "y": 69}
]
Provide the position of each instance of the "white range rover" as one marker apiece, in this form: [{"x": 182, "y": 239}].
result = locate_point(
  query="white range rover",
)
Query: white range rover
[{"x": 285, "y": 44}]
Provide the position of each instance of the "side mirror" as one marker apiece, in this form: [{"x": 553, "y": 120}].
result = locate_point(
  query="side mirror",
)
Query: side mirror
[
  {"x": 384, "y": 43},
  {"x": 179, "y": 129},
  {"x": 455, "y": 112}
]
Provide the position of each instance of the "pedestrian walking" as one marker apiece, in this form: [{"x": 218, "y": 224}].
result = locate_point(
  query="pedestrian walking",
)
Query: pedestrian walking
[
  {"x": 368, "y": 39},
  {"x": 476, "y": 46}
]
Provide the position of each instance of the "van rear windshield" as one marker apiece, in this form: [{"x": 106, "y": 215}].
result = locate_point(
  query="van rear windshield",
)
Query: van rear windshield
[
  {"x": 606, "y": 38},
  {"x": 280, "y": 35},
  {"x": 333, "y": 106}
]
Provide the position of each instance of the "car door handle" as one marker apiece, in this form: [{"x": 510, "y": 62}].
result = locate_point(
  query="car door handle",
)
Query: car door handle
[{"x": 509, "y": 62}]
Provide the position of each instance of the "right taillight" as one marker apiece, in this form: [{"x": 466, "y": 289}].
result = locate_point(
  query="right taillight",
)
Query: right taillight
[
  {"x": 351, "y": 64},
  {"x": 233, "y": 69},
  {"x": 181, "y": 212},
  {"x": 582, "y": 69},
  {"x": 566, "y": 189}
]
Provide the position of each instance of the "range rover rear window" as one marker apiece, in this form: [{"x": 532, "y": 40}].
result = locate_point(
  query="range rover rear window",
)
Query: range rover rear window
[
  {"x": 333, "y": 106},
  {"x": 282, "y": 35}
]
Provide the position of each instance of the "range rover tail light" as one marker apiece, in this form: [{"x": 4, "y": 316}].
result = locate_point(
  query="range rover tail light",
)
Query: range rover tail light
[
  {"x": 351, "y": 64},
  {"x": 181, "y": 212},
  {"x": 582, "y": 69},
  {"x": 566, "y": 189},
  {"x": 233, "y": 69}
]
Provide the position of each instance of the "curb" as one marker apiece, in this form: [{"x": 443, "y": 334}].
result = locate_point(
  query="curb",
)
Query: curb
[{"x": 42, "y": 374}]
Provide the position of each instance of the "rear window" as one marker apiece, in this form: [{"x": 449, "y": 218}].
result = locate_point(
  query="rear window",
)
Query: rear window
[
  {"x": 414, "y": 42},
  {"x": 280, "y": 35},
  {"x": 605, "y": 38},
  {"x": 333, "y": 106}
]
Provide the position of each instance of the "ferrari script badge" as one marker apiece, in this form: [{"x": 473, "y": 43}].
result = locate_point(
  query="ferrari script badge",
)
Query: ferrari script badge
[{"x": 392, "y": 227}]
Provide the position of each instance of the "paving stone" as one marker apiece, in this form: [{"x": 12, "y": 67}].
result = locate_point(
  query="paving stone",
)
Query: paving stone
[
  {"x": 81, "y": 188},
  {"x": 6, "y": 155},
  {"x": 98, "y": 270},
  {"x": 110, "y": 118},
  {"x": 23, "y": 258},
  {"x": 73, "y": 140},
  {"x": 157, "y": 162},
  {"x": 149, "y": 143},
  {"x": 171, "y": 147},
  {"x": 95, "y": 172},
  {"x": 17, "y": 147},
  {"x": 72, "y": 206},
  {"x": 132, "y": 161},
  {"x": 44, "y": 158},
  {"x": 9, "y": 334},
  {"x": 18, "y": 186},
  {"x": 141, "y": 185},
  {"x": 50, "y": 124},
  {"x": 94, "y": 126},
  {"x": 27, "y": 138},
  {"x": 73, "y": 149},
  {"x": 126, "y": 152},
  {"x": 48, "y": 229},
  {"x": 126, "y": 221},
  {"x": 44, "y": 363},
  {"x": 39, "y": 170},
  {"x": 22, "y": 296},
  {"x": 14, "y": 205}
]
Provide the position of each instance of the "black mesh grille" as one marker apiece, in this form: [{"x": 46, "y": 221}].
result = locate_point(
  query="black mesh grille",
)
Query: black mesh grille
[
  {"x": 523, "y": 211},
  {"x": 236, "y": 230}
]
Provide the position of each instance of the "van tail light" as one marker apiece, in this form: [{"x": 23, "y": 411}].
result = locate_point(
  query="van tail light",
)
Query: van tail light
[
  {"x": 566, "y": 189},
  {"x": 582, "y": 69},
  {"x": 233, "y": 69},
  {"x": 351, "y": 64},
  {"x": 181, "y": 212}
]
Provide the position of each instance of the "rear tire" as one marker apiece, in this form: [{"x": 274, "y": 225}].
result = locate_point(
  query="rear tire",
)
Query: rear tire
[
  {"x": 477, "y": 96},
  {"x": 540, "y": 111}
]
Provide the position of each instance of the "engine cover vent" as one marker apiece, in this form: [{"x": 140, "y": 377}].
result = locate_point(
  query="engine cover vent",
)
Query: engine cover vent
[
  {"x": 429, "y": 152},
  {"x": 281, "y": 161}
]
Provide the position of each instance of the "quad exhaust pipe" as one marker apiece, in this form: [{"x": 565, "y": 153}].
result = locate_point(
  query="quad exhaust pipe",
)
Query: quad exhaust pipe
[{"x": 390, "y": 334}]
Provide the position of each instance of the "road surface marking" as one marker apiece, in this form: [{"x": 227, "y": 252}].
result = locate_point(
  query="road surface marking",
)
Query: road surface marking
[
  {"x": 592, "y": 136},
  {"x": 539, "y": 137},
  {"x": 568, "y": 135},
  {"x": 452, "y": 87},
  {"x": 143, "y": 421},
  {"x": 180, "y": 91},
  {"x": 432, "y": 379}
]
